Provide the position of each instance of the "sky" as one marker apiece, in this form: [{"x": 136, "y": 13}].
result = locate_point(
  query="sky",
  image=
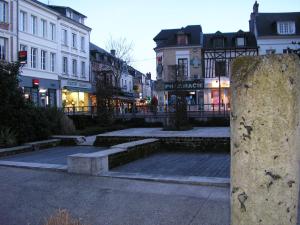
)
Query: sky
[{"x": 140, "y": 21}]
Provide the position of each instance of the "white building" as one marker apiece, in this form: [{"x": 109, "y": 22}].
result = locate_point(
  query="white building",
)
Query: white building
[
  {"x": 57, "y": 43},
  {"x": 38, "y": 35},
  {"x": 275, "y": 32},
  {"x": 8, "y": 30},
  {"x": 74, "y": 58},
  {"x": 126, "y": 81}
]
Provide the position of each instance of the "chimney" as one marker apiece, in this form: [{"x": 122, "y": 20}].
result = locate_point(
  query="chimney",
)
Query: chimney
[
  {"x": 113, "y": 52},
  {"x": 255, "y": 7}
]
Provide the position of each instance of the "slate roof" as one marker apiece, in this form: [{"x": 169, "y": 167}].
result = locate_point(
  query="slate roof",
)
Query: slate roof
[
  {"x": 62, "y": 10},
  {"x": 168, "y": 38},
  {"x": 229, "y": 39},
  {"x": 266, "y": 23},
  {"x": 96, "y": 48}
]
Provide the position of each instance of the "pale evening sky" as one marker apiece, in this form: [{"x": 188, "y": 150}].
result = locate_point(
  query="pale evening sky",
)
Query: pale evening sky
[{"x": 140, "y": 20}]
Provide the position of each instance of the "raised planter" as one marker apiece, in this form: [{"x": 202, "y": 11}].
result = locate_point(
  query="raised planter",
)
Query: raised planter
[
  {"x": 69, "y": 140},
  {"x": 102, "y": 161}
]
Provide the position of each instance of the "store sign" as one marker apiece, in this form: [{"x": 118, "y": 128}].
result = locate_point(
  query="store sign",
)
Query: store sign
[
  {"x": 35, "y": 83},
  {"x": 75, "y": 84},
  {"x": 184, "y": 85},
  {"x": 23, "y": 57}
]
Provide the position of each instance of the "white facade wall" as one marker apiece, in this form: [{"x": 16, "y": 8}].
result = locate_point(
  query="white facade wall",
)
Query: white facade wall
[
  {"x": 8, "y": 30},
  {"x": 30, "y": 40},
  {"x": 126, "y": 82},
  {"x": 276, "y": 43}
]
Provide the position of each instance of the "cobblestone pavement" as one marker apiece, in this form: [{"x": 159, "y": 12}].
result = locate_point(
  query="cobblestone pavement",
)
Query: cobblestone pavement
[
  {"x": 57, "y": 155},
  {"x": 181, "y": 164}
]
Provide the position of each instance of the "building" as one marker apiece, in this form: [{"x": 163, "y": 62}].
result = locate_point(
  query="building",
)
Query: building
[
  {"x": 57, "y": 45},
  {"x": 73, "y": 58},
  {"x": 219, "y": 49},
  {"x": 181, "y": 47},
  {"x": 8, "y": 30},
  {"x": 115, "y": 74},
  {"x": 38, "y": 35},
  {"x": 275, "y": 32}
]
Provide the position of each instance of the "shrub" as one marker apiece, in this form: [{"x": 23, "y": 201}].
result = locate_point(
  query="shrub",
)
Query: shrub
[
  {"x": 66, "y": 125},
  {"x": 62, "y": 217},
  {"x": 8, "y": 137}
]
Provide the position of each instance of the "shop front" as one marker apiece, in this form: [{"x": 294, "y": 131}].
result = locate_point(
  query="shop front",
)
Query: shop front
[
  {"x": 192, "y": 91},
  {"x": 41, "y": 92},
  {"x": 217, "y": 94},
  {"x": 76, "y": 95}
]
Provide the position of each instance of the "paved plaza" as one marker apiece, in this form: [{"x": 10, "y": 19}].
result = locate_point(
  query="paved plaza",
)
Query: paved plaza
[
  {"x": 57, "y": 155},
  {"x": 29, "y": 196},
  {"x": 180, "y": 164},
  {"x": 159, "y": 132}
]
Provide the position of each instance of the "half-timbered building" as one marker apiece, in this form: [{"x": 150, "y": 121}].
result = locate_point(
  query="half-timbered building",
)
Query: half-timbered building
[{"x": 219, "y": 49}]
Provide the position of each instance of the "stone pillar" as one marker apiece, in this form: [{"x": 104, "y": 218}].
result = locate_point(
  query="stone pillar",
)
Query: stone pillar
[{"x": 265, "y": 140}]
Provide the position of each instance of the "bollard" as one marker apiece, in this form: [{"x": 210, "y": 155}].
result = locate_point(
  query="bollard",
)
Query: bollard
[{"x": 265, "y": 140}]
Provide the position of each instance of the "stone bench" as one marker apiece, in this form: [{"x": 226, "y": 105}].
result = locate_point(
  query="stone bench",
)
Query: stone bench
[
  {"x": 98, "y": 162},
  {"x": 15, "y": 150},
  {"x": 37, "y": 145},
  {"x": 70, "y": 139},
  {"x": 28, "y": 147}
]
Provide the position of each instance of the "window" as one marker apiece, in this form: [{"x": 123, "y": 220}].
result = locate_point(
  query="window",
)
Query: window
[
  {"x": 3, "y": 12},
  {"x": 23, "y": 47},
  {"x": 74, "y": 40},
  {"x": 83, "y": 69},
  {"x": 286, "y": 27},
  {"x": 270, "y": 51},
  {"x": 65, "y": 65},
  {"x": 3, "y": 49},
  {"x": 52, "y": 61},
  {"x": 43, "y": 59},
  {"x": 44, "y": 28},
  {"x": 33, "y": 24},
  {"x": 82, "y": 44},
  {"x": 74, "y": 67},
  {"x": 218, "y": 42},
  {"x": 182, "y": 39},
  {"x": 34, "y": 58},
  {"x": 23, "y": 21},
  {"x": 183, "y": 67},
  {"x": 240, "y": 42},
  {"x": 53, "y": 31},
  {"x": 64, "y": 37},
  {"x": 220, "y": 68}
]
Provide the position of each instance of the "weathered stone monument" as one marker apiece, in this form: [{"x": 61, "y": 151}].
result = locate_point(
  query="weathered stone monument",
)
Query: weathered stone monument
[{"x": 265, "y": 140}]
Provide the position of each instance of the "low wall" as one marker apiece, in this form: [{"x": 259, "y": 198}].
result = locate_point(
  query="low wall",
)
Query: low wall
[
  {"x": 99, "y": 162},
  {"x": 132, "y": 153},
  {"x": 203, "y": 144}
]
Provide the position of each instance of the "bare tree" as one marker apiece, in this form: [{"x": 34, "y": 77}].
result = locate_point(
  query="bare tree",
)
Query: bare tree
[
  {"x": 177, "y": 118},
  {"x": 123, "y": 48}
]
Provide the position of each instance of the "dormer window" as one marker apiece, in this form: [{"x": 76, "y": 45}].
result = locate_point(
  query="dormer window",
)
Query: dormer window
[
  {"x": 182, "y": 39},
  {"x": 218, "y": 43},
  {"x": 286, "y": 27},
  {"x": 240, "y": 42}
]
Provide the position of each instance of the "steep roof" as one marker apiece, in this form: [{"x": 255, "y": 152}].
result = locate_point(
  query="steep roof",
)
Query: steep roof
[
  {"x": 168, "y": 38},
  {"x": 96, "y": 48},
  {"x": 266, "y": 23},
  {"x": 62, "y": 9},
  {"x": 229, "y": 39}
]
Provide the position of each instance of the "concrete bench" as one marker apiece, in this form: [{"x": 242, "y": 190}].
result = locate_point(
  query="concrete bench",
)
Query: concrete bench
[
  {"x": 37, "y": 145},
  {"x": 15, "y": 150},
  {"x": 98, "y": 162},
  {"x": 70, "y": 139},
  {"x": 28, "y": 147}
]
